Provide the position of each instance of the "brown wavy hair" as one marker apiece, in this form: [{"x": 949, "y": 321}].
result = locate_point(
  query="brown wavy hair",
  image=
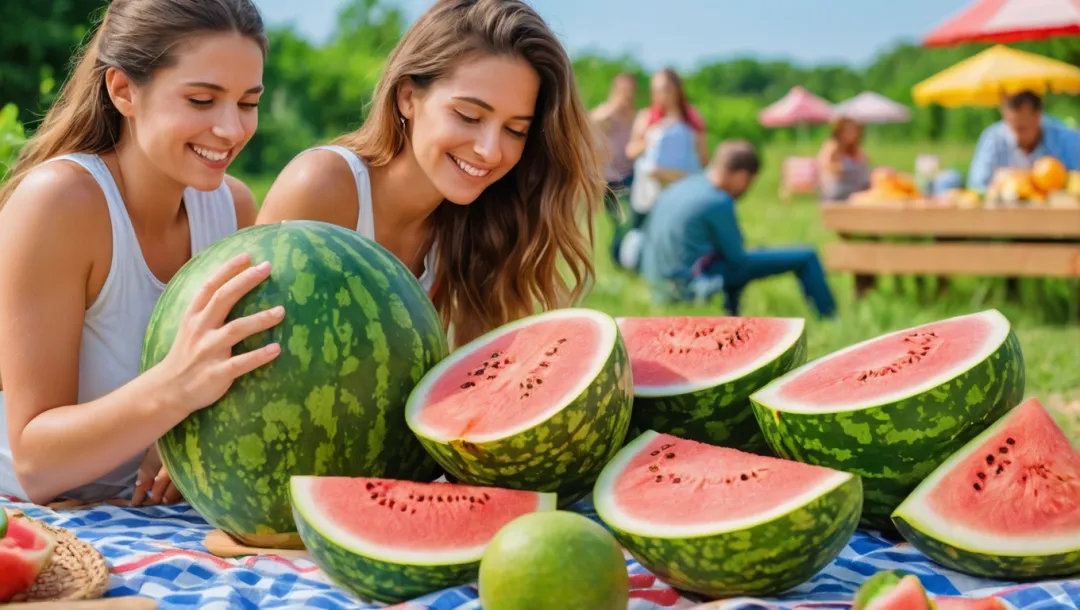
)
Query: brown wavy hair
[
  {"x": 137, "y": 37},
  {"x": 527, "y": 240}
]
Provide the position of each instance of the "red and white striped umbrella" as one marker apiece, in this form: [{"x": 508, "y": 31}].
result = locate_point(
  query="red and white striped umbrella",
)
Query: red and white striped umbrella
[{"x": 1007, "y": 21}]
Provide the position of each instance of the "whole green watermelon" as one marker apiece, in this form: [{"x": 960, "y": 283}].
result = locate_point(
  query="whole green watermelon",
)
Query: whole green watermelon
[{"x": 359, "y": 333}]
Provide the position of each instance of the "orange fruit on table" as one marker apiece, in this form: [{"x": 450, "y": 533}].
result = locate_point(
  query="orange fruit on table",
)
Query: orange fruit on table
[{"x": 1049, "y": 174}]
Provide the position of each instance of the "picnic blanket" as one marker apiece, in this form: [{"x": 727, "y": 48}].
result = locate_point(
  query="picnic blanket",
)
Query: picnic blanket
[{"x": 158, "y": 552}]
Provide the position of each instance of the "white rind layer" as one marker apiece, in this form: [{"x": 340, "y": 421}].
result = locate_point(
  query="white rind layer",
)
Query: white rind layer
[
  {"x": 915, "y": 511},
  {"x": 308, "y": 507},
  {"x": 609, "y": 332},
  {"x": 769, "y": 396},
  {"x": 609, "y": 511},
  {"x": 794, "y": 328}
]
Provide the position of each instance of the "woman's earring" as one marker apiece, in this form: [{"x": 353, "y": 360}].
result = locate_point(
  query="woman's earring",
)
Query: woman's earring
[{"x": 402, "y": 122}]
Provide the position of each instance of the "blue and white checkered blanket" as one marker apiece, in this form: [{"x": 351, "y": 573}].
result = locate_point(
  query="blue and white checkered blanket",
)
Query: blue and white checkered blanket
[{"x": 158, "y": 552}]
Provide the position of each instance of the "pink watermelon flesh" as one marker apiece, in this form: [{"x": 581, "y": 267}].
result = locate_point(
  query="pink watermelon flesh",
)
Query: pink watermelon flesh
[
  {"x": 666, "y": 351},
  {"x": 23, "y": 553},
  {"x": 908, "y": 594},
  {"x": 419, "y": 516},
  {"x": 674, "y": 481},
  {"x": 1024, "y": 480},
  {"x": 512, "y": 380},
  {"x": 889, "y": 364}
]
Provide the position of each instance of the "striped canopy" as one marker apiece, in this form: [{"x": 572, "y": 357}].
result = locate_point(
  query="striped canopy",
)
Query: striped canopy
[{"x": 1007, "y": 21}]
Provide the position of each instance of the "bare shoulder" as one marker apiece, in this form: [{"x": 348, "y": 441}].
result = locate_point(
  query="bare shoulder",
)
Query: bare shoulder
[
  {"x": 243, "y": 200},
  {"x": 53, "y": 202},
  {"x": 316, "y": 185}
]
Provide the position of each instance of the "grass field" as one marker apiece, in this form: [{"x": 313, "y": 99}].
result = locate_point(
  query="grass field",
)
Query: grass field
[{"x": 1045, "y": 315}]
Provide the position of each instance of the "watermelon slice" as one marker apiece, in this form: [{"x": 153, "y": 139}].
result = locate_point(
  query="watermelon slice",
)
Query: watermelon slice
[
  {"x": 539, "y": 404},
  {"x": 392, "y": 540},
  {"x": 693, "y": 376},
  {"x": 25, "y": 550},
  {"x": 722, "y": 522},
  {"x": 1007, "y": 505},
  {"x": 893, "y": 408},
  {"x": 892, "y": 590}
]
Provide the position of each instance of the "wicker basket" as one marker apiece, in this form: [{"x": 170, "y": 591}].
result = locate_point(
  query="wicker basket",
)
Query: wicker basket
[{"x": 75, "y": 571}]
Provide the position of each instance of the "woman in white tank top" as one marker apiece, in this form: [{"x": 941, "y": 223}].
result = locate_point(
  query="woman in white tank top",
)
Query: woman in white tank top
[
  {"x": 93, "y": 227},
  {"x": 476, "y": 166}
]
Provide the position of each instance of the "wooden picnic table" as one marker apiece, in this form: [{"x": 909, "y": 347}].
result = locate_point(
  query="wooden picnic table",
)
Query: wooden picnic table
[{"x": 909, "y": 238}]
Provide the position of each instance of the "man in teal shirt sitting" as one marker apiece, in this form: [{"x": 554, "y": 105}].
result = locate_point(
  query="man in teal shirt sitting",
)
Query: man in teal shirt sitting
[
  {"x": 693, "y": 247},
  {"x": 1022, "y": 136}
]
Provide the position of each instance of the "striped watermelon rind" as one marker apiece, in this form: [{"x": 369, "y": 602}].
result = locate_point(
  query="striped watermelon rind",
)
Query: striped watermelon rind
[
  {"x": 719, "y": 412},
  {"x": 562, "y": 454},
  {"x": 381, "y": 575},
  {"x": 894, "y": 445},
  {"x": 783, "y": 550},
  {"x": 359, "y": 332},
  {"x": 1015, "y": 557}
]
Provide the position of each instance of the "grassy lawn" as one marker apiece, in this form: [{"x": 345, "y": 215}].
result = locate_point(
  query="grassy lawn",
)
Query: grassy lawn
[{"x": 1045, "y": 315}]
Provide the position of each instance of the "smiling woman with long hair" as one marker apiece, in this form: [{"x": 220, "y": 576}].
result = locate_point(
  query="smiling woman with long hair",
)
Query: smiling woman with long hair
[
  {"x": 122, "y": 184},
  {"x": 476, "y": 166}
]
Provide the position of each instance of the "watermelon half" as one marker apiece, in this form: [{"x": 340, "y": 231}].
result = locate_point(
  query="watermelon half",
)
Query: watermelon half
[
  {"x": 392, "y": 540},
  {"x": 539, "y": 404},
  {"x": 722, "y": 522},
  {"x": 25, "y": 550},
  {"x": 693, "y": 376},
  {"x": 893, "y": 408},
  {"x": 1005, "y": 506}
]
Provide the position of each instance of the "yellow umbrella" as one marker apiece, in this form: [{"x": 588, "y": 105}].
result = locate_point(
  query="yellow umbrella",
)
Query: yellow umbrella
[{"x": 981, "y": 80}]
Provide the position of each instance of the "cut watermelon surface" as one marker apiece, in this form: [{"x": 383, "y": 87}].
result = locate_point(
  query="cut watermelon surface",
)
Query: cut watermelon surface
[
  {"x": 25, "y": 549},
  {"x": 515, "y": 383},
  {"x": 892, "y": 408},
  {"x": 723, "y": 522},
  {"x": 1007, "y": 505},
  {"x": 890, "y": 368},
  {"x": 539, "y": 404},
  {"x": 393, "y": 540},
  {"x": 892, "y": 590},
  {"x": 693, "y": 375}
]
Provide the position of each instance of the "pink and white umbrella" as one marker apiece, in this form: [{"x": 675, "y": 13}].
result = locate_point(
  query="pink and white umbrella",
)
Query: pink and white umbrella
[
  {"x": 798, "y": 107},
  {"x": 1008, "y": 21},
  {"x": 869, "y": 107}
]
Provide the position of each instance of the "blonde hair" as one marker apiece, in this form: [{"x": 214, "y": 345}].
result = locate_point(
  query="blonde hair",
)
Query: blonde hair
[
  {"x": 499, "y": 257},
  {"x": 137, "y": 37}
]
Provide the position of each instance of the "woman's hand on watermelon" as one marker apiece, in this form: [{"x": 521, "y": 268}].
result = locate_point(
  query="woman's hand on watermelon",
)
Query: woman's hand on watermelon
[
  {"x": 156, "y": 490},
  {"x": 153, "y": 485},
  {"x": 201, "y": 366}
]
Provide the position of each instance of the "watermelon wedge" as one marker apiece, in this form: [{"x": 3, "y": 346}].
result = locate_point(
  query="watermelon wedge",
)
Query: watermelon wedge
[
  {"x": 892, "y": 590},
  {"x": 722, "y": 522},
  {"x": 25, "y": 550},
  {"x": 539, "y": 404},
  {"x": 391, "y": 540},
  {"x": 693, "y": 376},
  {"x": 1007, "y": 505},
  {"x": 891, "y": 409}
]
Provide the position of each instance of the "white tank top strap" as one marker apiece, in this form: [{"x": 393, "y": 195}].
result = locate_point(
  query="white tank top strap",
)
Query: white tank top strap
[
  {"x": 365, "y": 223},
  {"x": 114, "y": 325},
  {"x": 365, "y": 217}
]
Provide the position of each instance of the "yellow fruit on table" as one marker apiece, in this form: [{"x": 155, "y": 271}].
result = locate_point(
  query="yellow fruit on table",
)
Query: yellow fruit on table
[
  {"x": 1048, "y": 174},
  {"x": 1073, "y": 185}
]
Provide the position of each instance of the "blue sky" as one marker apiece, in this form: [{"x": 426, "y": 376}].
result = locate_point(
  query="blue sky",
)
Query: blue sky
[{"x": 685, "y": 32}]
